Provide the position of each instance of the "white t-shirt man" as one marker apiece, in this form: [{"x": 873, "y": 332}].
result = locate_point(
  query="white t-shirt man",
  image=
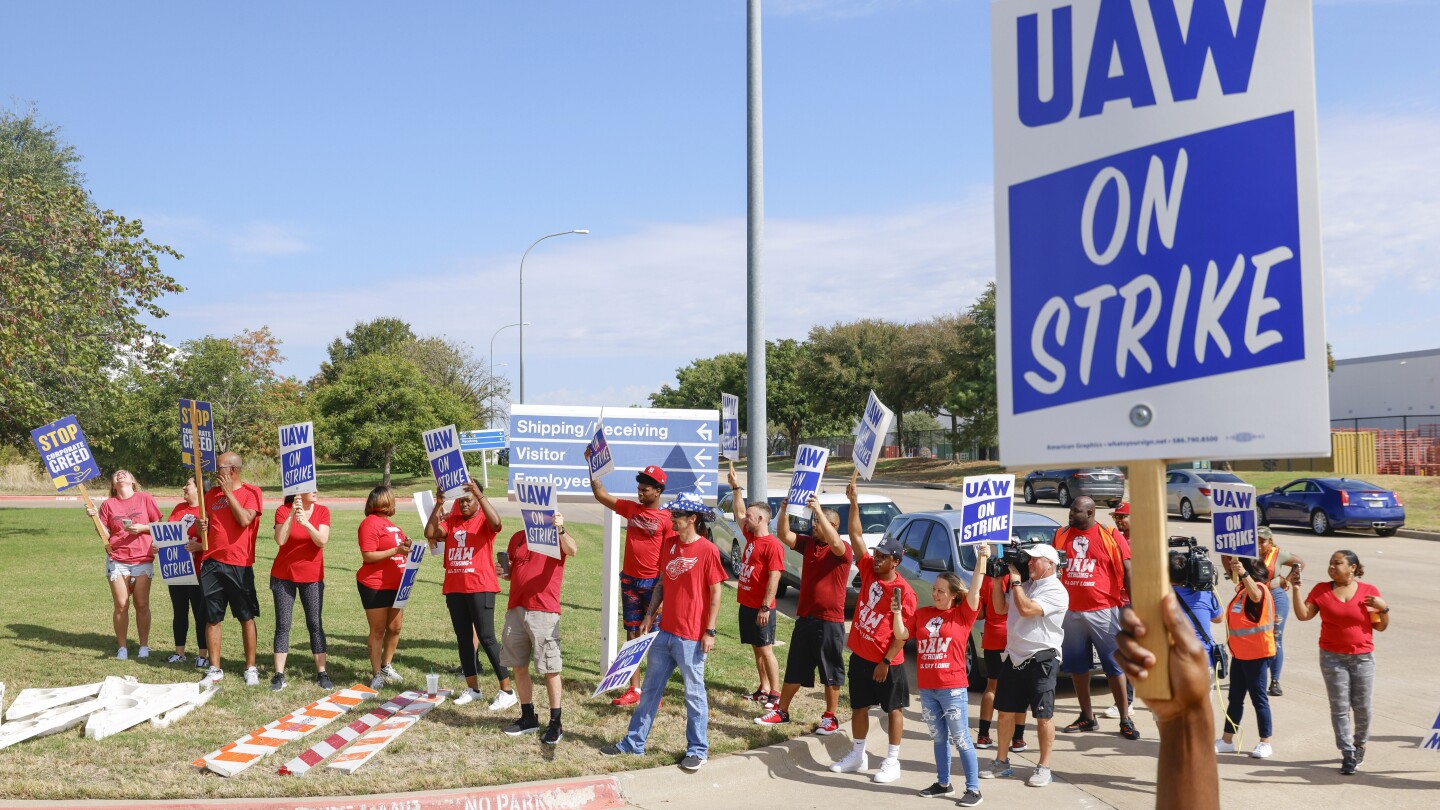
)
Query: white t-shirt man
[{"x": 1030, "y": 636}]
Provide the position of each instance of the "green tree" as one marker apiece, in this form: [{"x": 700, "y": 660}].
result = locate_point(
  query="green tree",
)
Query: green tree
[
  {"x": 700, "y": 384},
  {"x": 367, "y": 337},
  {"x": 976, "y": 397},
  {"x": 849, "y": 360},
  {"x": 35, "y": 149},
  {"x": 377, "y": 408},
  {"x": 451, "y": 365}
]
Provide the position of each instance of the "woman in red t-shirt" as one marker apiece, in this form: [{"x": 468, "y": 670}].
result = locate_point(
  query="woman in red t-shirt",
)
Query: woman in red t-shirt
[
  {"x": 130, "y": 557},
  {"x": 188, "y": 600},
  {"x": 302, "y": 528},
  {"x": 383, "y": 549},
  {"x": 468, "y": 537},
  {"x": 1350, "y": 611}
]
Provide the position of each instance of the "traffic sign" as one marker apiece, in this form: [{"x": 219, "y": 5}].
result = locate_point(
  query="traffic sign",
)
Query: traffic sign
[
  {"x": 547, "y": 445},
  {"x": 473, "y": 441},
  {"x": 1157, "y": 232}
]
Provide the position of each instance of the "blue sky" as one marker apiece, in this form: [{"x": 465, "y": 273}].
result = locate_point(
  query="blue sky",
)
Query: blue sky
[{"x": 323, "y": 163}]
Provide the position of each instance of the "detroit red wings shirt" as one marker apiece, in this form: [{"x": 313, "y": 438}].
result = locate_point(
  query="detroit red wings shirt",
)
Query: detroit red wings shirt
[{"x": 686, "y": 573}]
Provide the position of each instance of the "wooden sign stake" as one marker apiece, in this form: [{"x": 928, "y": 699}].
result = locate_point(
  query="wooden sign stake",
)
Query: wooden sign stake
[
  {"x": 1150, "y": 569},
  {"x": 99, "y": 527}
]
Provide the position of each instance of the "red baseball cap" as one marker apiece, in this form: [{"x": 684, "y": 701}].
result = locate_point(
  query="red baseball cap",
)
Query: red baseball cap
[
  {"x": 1122, "y": 509},
  {"x": 653, "y": 473}
]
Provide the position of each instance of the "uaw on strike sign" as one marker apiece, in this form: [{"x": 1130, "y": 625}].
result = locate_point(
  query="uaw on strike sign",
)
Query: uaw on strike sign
[{"x": 1157, "y": 231}]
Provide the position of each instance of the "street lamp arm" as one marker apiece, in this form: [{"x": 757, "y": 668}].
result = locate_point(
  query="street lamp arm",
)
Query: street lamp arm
[{"x": 523, "y": 256}]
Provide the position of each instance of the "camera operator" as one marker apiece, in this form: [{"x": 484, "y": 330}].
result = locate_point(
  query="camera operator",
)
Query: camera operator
[
  {"x": 1193, "y": 577},
  {"x": 1034, "y": 612}
]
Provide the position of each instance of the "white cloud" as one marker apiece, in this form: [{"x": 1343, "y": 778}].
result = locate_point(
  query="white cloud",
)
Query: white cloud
[
  {"x": 266, "y": 239},
  {"x": 247, "y": 239}
]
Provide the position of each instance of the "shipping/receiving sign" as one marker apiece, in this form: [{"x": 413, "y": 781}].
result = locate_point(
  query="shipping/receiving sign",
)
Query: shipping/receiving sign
[
  {"x": 204, "y": 428},
  {"x": 537, "y": 510},
  {"x": 805, "y": 480},
  {"x": 1232, "y": 513},
  {"x": 177, "y": 565},
  {"x": 412, "y": 570},
  {"x": 447, "y": 460},
  {"x": 602, "y": 461},
  {"x": 627, "y": 660},
  {"x": 1157, "y": 229},
  {"x": 989, "y": 501},
  {"x": 473, "y": 441},
  {"x": 297, "y": 458},
  {"x": 870, "y": 440},
  {"x": 67, "y": 456},
  {"x": 730, "y": 426},
  {"x": 547, "y": 446}
]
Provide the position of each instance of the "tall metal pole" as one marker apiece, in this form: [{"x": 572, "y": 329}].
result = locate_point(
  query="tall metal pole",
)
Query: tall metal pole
[
  {"x": 492, "y": 350},
  {"x": 757, "y": 479},
  {"x": 522, "y": 301}
]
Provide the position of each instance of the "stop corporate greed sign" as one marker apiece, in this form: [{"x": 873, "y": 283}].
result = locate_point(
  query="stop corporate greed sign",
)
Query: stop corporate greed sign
[
  {"x": 1157, "y": 231},
  {"x": 66, "y": 454},
  {"x": 1232, "y": 512}
]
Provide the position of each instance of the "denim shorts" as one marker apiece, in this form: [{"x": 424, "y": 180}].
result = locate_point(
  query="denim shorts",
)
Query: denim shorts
[{"x": 115, "y": 570}]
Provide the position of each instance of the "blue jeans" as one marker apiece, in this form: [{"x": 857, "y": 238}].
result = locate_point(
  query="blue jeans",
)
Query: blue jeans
[
  {"x": 667, "y": 653},
  {"x": 1282, "y": 612},
  {"x": 947, "y": 713},
  {"x": 1248, "y": 677}
]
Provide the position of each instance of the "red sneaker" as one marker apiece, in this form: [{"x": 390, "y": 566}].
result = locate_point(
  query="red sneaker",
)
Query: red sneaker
[
  {"x": 774, "y": 717},
  {"x": 630, "y": 697},
  {"x": 758, "y": 696},
  {"x": 771, "y": 701},
  {"x": 1018, "y": 745},
  {"x": 828, "y": 725},
  {"x": 984, "y": 742}
]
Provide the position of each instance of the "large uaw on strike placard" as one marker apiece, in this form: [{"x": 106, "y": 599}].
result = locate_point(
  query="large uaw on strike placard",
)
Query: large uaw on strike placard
[{"x": 1157, "y": 227}]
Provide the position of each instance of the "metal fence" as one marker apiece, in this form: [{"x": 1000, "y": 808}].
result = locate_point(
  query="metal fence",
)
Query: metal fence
[{"x": 1404, "y": 445}]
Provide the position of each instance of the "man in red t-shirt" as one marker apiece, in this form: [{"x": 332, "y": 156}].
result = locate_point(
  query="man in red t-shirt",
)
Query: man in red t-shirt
[
  {"x": 532, "y": 628},
  {"x": 1097, "y": 577},
  {"x": 227, "y": 571},
  {"x": 647, "y": 526},
  {"x": 690, "y": 583},
  {"x": 758, "y": 581}
]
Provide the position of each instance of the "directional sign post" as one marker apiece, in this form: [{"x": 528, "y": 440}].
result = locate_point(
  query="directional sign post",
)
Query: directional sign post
[
  {"x": 480, "y": 441},
  {"x": 68, "y": 460}
]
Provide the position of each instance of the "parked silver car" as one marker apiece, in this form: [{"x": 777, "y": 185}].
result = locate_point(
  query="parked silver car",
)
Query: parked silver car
[
  {"x": 1187, "y": 492},
  {"x": 1106, "y": 485}
]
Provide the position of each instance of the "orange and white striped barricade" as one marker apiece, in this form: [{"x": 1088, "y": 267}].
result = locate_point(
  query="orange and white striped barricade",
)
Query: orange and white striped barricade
[
  {"x": 364, "y": 749},
  {"x": 232, "y": 758},
  {"x": 320, "y": 751}
]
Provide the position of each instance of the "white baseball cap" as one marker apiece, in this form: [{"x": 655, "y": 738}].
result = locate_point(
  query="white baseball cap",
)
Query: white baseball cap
[{"x": 1044, "y": 551}]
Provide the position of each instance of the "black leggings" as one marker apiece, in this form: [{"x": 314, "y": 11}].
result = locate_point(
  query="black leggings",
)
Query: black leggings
[
  {"x": 471, "y": 614},
  {"x": 188, "y": 600},
  {"x": 312, "y": 597}
]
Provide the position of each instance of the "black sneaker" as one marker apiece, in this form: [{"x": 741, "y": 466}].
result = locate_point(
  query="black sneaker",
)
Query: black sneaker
[
  {"x": 554, "y": 733},
  {"x": 201, "y": 662},
  {"x": 322, "y": 680},
  {"x": 1348, "y": 765},
  {"x": 692, "y": 763},
  {"x": 278, "y": 682},
  {"x": 971, "y": 798},
  {"x": 612, "y": 750},
  {"x": 525, "y": 725},
  {"x": 938, "y": 789},
  {"x": 1275, "y": 690},
  {"x": 1128, "y": 730},
  {"x": 1359, "y": 754}
]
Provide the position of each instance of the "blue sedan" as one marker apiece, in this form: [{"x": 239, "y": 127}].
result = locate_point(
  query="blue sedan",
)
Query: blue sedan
[{"x": 1327, "y": 504}]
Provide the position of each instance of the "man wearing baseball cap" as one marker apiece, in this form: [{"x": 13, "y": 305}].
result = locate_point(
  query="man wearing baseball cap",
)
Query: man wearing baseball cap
[
  {"x": 647, "y": 527},
  {"x": 1121, "y": 514},
  {"x": 1034, "y": 612}
]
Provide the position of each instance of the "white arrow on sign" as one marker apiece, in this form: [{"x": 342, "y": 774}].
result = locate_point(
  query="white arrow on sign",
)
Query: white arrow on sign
[
  {"x": 699, "y": 482},
  {"x": 702, "y": 457},
  {"x": 704, "y": 432}
]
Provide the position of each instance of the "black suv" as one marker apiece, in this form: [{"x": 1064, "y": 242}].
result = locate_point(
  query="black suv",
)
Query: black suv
[{"x": 1104, "y": 484}]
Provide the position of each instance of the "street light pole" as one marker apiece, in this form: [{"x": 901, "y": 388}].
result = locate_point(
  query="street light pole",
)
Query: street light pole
[
  {"x": 492, "y": 347},
  {"x": 522, "y": 300}
]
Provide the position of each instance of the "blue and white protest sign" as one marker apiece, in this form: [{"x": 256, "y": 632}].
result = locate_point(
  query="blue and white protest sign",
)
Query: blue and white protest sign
[
  {"x": 204, "y": 430},
  {"x": 601, "y": 460},
  {"x": 474, "y": 441},
  {"x": 1157, "y": 231},
  {"x": 67, "y": 456},
  {"x": 297, "y": 458},
  {"x": 537, "y": 512},
  {"x": 870, "y": 439},
  {"x": 627, "y": 660},
  {"x": 985, "y": 509},
  {"x": 730, "y": 426},
  {"x": 412, "y": 570},
  {"x": 1232, "y": 513},
  {"x": 447, "y": 460},
  {"x": 1433, "y": 741},
  {"x": 176, "y": 564},
  {"x": 805, "y": 480}
]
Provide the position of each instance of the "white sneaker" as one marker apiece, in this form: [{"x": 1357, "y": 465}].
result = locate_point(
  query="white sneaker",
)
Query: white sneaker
[
  {"x": 252, "y": 676},
  {"x": 377, "y": 683},
  {"x": 214, "y": 675},
  {"x": 175, "y": 658},
  {"x": 122, "y": 654},
  {"x": 1222, "y": 747},
  {"x": 390, "y": 675},
  {"x": 889, "y": 770},
  {"x": 503, "y": 700},
  {"x": 1262, "y": 751},
  {"x": 857, "y": 761},
  {"x": 469, "y": 696},
  {"x": 144, "y": 653},
  {"x": 1113, "y": 712},
  {"x": 1040, "y": 778}
]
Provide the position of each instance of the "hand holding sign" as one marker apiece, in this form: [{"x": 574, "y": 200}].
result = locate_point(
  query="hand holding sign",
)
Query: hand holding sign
[
  {"x": 805, "y": 481},
  {"x": 597, "y": 453},
  {"x": 447, "y": 462}
]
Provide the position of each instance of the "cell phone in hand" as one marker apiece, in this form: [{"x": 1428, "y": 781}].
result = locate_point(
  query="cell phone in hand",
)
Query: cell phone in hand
[
  {"x": 895, "y": 600},
  {"x": 502, "y": 563}
]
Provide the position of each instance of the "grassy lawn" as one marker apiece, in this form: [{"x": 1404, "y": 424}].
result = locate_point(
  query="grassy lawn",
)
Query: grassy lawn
[{"x": 55, "y": 631}]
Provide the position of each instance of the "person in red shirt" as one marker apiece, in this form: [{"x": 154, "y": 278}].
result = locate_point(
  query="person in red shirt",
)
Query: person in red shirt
[
  {"x": 129, "y": 564},
  {"x": 302, "y": 528},
  {"x": 532, "y": 628},
  {"x": 690, "y": 582},
  {"x": 1097, "y": 577},
  {"x": 468, "y": 537},
  {"x": 758, "y": 582},
  {"x": 818, "y": 640},
  {"x": 942, "y": 637},
  {"x": 647, "y": 526},
  {"x": 188, "y": 600},
  {"x": 227, "y": 571},
  {"x": 877, "y": 647},
  {"x": 383, "y": 549},
  {"x": 1350, "y": 612}
]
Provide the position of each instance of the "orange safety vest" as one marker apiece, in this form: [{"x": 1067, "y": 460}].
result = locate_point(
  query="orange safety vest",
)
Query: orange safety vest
[
  {"x": 1270, "y": 558},
  {"x": 1251, "y": 640}
]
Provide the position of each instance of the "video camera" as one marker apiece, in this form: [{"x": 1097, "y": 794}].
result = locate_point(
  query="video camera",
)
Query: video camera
[
  {"x": 1190, "y": 564},
  {"x": 1013, "y": 553}
]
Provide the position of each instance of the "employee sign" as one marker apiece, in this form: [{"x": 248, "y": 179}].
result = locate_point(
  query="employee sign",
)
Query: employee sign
[
  {"x": 1157, "y": 231},
  {"x": 177, "y": 565},
  {"x": 730, "y": 426},
  {"x": 537, "y": 511},
  {"x": 297, "y": 458},
  {"x": 989, "y": 501},
  {"x": 870, "y": 440},
  {"x": 204, "y": 429},
  {"x": 1232, "y": 510},
  {"x": 447, "y": 461},
  {"x": 67, "y": 456},
  {"x": 805, "y": 481}
]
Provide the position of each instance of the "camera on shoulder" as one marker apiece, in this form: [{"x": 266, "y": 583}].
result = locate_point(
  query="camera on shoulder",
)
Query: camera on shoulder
[
  {"x": 1014, "y": 553},
  {"x": 1190, "y": 564}
]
